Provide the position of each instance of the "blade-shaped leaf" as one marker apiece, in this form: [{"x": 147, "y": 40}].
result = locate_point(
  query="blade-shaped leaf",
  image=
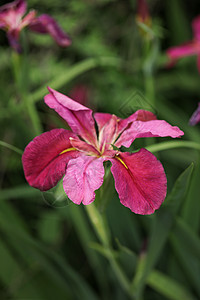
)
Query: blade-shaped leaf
[{"x": 163, "y": 221}]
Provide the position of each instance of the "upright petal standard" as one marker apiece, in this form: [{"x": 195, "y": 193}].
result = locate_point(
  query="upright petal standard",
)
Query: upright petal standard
[{"x": 78, "y": 155}]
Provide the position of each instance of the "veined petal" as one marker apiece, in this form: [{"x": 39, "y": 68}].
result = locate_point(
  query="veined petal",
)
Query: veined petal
[
  {"x": 108, "y": 134},
  {"x": 139, "y": 115},
  {"x": 46, "y": 24},
  {"x": 140, "y": 181},
  {"x": 195, "y": 118},
  {"x": 102, "y": 119},
  {"x": 187, "y": 49},
  {"x": 84, "y": 147},
  {"x": 45, "y": 158},
  {"x": 196, "y": 27},
  {"x": 77, "y": 116},
  {"x": 84, "y": 175},
  {"x": 154, "y": 128}
]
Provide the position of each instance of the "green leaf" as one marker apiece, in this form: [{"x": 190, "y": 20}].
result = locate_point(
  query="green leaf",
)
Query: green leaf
[
  {"x": 178, "y": 22},
  {"x": 186, "y": 245},
  {"x": 49, "y": 227},
  {"x": 163, "y": 221},
  {"x": 11, "y": 147},
  {"x": 31, "y": 252},
  {"x": 189, "y": 263},
  {"x": 191, "y": 207},
  {"x": 168, "y": 287},
  {"x": 73, "y": 72},
  {"x": 86, "y": 237},
  {"x": 184, "y": 233},
  {"x": 23, "y": 191}
]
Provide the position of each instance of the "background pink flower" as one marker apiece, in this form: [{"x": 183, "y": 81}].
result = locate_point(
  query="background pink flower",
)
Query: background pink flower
[
  {"x": 12, "y": 20},
  {"x": 195, "y": 118},
  {"x": 189, "y": 48}
]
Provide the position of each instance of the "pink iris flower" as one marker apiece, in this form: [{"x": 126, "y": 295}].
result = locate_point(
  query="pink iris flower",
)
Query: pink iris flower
[
  {"x": 189, "y": 48},
  {"x": 195, "y": 118},
  {"x": 12, "y": 20},
  {"x": 78, "y": 155}
]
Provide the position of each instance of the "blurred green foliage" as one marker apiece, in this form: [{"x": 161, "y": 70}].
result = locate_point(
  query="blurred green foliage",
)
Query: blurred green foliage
[{"x": 48, "y": 247}]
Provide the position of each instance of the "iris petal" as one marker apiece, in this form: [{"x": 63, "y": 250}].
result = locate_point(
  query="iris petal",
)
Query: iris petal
[
  {"x": 84, "y": 175},
  {"x": 43, "y": 162},
  {"x": 140, "y": 181}
]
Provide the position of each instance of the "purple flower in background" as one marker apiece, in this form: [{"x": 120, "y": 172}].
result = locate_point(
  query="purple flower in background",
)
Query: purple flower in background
[
  {"x": 188, "y": 48},
  {"x": 12, "y": 20},
  {"x": 78, "y": 155},
  {"x": 195, "y": 118}
]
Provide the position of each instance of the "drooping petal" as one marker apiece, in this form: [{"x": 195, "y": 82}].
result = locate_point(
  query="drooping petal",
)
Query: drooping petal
[
  {"x": 43, "y": 161},
  {"x": 196, "y": 27},
  {"x": 140, "y": 181},
  {"x": 77, "y": 116},
  {"x": 84, "y": 175},
  {"x": 195, "y": 118},
  {"x": 187, "y": 49},
  {"x": 46, "y": 24},
  {"x": 154, "y": 128}
]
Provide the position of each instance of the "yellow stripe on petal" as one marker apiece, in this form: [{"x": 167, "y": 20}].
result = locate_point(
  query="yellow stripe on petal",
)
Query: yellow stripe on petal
[
  {"x": 67, "y": 150},
  {"x": 122, "y": 162}
]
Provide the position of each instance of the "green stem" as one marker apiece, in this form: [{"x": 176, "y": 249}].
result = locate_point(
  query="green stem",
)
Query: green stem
[
  {"x": 99, "y": 224},
  {"x": 17, "y": 150},
  {"x": 102, "y": 232},
  {"x": 73, "y": 72},
  {"x": 172, "y": 145},
  {"x": 149, "y": 88},
  {"x": 20, "y": 71},
  {"x": 33, "y": 114}
]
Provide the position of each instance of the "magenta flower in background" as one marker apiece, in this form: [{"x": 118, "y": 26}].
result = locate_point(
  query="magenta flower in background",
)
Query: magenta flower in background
[
  {"x": 78, "y": 155},
  {"x": 80, "y": 93},
  {"x": 12, "y": 20},
  {"x": 143, "y": 15},
  {"x": 189, "y": 48},
  {"x": 195, "y": 118}
]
